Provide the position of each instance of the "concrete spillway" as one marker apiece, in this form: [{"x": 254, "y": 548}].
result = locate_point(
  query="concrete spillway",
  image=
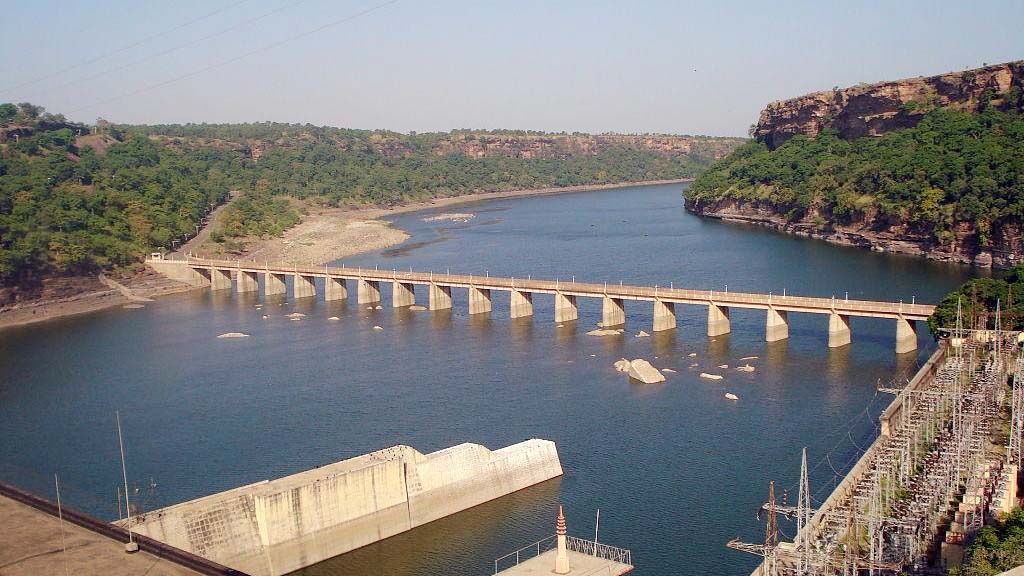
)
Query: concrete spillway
[{"x": 278, "y": 526}]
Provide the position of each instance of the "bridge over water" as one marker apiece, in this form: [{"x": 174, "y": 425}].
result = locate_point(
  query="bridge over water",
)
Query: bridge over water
[{"x": 245, "y": 277}]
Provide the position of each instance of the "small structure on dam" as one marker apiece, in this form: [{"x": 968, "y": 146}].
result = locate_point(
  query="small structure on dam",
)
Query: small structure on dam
[{"x": 278, "y": 526}]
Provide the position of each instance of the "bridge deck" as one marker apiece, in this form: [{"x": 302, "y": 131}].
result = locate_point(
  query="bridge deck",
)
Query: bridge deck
[{"x": 805, "y": 304}]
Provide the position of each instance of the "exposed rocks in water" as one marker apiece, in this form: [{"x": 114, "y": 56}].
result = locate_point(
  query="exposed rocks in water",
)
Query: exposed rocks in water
[
  {"x": 334, "y": 318},
  {"x": 417, "y": 308},
  {"x": 265, "y": 316},
  {"x": 642, "y": 334},
  {"x": 378, "y": 307},
  {"x": 604, "y": 332},
  {"x": 668, "y": 370},
  {"x": 749, "y": 358},
  {"x": 377, "y": 328},
  {"x": 731, "y": 396},
  {"x": 710, "y": 376},
  {"x": 694, "y": 365},
  {"x": 296, "y": 315},
  {"x": 233, "y": 335},
  {"x": 622, "y": 365},
  {"x": 692, "y": 354},
  {"x": 642, "y": 370},
  {"x": 454, "y": 217},
  {"x": 745, "y": 368},
  {"x": 724, "y": 366}
]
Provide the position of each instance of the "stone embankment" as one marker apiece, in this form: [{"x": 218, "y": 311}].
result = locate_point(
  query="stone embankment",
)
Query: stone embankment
[{"x": 279, "y": 526}]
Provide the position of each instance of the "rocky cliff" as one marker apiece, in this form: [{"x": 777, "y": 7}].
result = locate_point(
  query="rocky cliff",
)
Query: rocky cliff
[{"x": 873, "y": 109}]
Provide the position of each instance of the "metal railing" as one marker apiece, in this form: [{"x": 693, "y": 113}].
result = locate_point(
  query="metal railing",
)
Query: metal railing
[{"x": 578, "y": 545}]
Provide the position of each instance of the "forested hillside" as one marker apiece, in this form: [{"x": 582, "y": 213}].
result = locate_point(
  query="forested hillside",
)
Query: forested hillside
[
  {"x": 76, "y": 199},
  {"x": 947, "y": 178}
]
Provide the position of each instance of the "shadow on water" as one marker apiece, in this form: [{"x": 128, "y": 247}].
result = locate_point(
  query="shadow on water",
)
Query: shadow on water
[{"x": 465, "y": 543}]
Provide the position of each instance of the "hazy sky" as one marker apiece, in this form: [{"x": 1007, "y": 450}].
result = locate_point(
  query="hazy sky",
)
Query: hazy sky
[{"x": 677, "y": 67}]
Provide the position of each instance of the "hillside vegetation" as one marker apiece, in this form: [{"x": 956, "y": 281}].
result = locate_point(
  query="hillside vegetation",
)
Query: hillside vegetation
[
  {"x": 954, "y": 173},
  {"x": 75, "y": 199}
]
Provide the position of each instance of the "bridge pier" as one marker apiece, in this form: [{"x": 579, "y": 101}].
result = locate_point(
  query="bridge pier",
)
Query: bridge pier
[
  {"x": 838, "y": 330},
  {"x": 220, "y": 279},
  {"x": 906, "y": 336},
  {"x": 718, "y": 320},
  {"x": 303, "y": 286},
  {"x": 368, "y": 291},
  {"x": 565, "y": 308},
  {"x": 402, "y": 294},
  {"x": 273, "y": 284},
  {"x": 521, "y": 304},
  {"x": 664, "y": 316},
  {"x": 440, "y": 297},
  {"x": 247, "y": 282},
  {"x": 777, "y": 327},
  {"x": 335, "y": 289},
  {"x": 479, "y": 300},
  {"x": 612, "y": 312}
]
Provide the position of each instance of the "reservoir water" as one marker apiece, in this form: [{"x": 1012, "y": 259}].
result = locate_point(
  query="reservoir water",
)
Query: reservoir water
[{"x": 676, "y": 469}]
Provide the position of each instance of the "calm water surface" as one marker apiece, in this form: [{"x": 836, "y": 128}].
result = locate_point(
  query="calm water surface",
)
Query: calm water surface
[{"x": 675, "y": 468}]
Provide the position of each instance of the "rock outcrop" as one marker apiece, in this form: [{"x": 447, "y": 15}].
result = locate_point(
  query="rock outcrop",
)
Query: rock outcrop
[
  {"x": 642, "y": 370},
  {"x": 873, "y": 109}
]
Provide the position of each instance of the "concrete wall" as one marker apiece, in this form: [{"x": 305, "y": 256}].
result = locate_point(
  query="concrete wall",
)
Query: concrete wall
[{"x": 279, "y": 526}]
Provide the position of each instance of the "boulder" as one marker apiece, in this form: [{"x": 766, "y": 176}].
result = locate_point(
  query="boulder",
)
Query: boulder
[
  {"x": 642, "y": 334},
  {"x": 710, "y": 376},
  {"x": 233, "y": 335},
  {"x": 642, "y": 370},
  {"x": 603, "y": 332},
  {"x": 417, "y": 308},
  {"x": 334, "y": 318},
  {"x": 731, "y": 396},
  {"x": 622, "y": 365},
  {"x": 377, "y": 328},
  {"x": 745, "y": 368},
  {"x": 668, "y": 370}
]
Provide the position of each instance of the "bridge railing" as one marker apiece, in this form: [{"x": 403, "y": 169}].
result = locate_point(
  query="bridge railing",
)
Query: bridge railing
[{"x": 719, "y": 297}]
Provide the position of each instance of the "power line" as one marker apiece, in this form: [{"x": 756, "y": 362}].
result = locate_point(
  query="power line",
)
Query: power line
[
  {"x": 123, "y": 48},
  {"x": 173, "y": 48},
  {"x": 239, "y": 57}
]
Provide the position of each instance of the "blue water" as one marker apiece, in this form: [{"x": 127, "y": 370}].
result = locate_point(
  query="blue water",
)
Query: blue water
[{"x": 675, "y": 468}]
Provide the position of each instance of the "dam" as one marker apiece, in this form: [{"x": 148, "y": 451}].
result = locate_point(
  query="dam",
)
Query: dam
[
  {"x": 245, "y": 276},
  {"x": 274, "y": 527}
]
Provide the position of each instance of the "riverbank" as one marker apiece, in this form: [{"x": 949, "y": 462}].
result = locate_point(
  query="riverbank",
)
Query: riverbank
[
  {"x": 324, "y": 235},
  {"x": 855, "y": 236},
  {"x": 63, "y": 297},
  {"x": 329, "y": 234}
]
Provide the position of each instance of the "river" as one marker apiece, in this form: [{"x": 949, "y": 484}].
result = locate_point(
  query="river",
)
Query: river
[{"x": 675, "y": 468}]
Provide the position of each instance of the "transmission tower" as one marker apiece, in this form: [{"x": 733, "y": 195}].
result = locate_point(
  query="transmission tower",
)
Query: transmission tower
[{"x": 803, "y": 518}]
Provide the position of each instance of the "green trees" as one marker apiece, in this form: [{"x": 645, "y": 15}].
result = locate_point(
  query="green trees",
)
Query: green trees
[
  {"x": 952, "y": 168},
  {"x": 996, "y": 549},
  {"x": 978, "y": 297},
  {"x": 70, "y": 208}
]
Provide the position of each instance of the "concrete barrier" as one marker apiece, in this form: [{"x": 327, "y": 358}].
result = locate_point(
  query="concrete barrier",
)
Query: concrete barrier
[{"x": 278, "y": 526}]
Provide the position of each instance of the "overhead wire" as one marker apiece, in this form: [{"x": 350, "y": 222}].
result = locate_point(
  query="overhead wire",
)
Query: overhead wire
[
  {"x": 242, "y": 56},
  {"x": 173, "y": 49},
  {"x": 123, "y": 48}
]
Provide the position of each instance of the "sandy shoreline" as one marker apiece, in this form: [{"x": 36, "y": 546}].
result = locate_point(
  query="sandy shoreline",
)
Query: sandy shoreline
[
  {"x": 330, "y": 234},
  {"x": 324, "y": 235}
]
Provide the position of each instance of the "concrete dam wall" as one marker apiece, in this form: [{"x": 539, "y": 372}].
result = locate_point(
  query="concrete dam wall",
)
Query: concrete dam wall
[{"x": 278, "y": 526}]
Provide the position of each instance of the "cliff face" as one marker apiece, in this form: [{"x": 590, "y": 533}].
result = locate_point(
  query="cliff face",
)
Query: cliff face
[
  {"x": 530, "y": 145},
  {"x": 873, "y": 109}
]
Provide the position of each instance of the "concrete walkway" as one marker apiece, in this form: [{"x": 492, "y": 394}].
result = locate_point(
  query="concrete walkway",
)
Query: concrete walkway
[{"x": 30, "y": 545}]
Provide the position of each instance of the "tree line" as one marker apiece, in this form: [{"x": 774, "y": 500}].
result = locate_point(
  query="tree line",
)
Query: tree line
[{"x": 76, "y": 199}]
